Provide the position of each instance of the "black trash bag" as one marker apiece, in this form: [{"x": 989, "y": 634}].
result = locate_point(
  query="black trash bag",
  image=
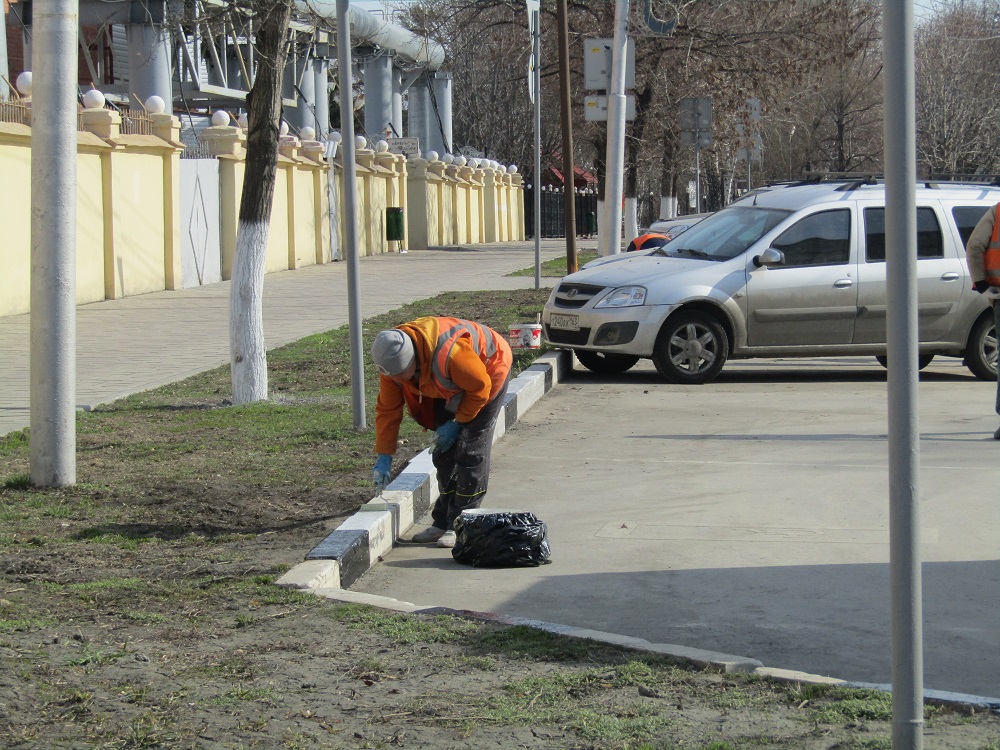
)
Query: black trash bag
[{"x": 500, "y": 539}]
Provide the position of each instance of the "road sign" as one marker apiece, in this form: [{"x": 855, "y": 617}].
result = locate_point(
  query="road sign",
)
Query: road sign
[
  {"x": 696, "y": 122},
  {"x": 595, "y": 108},
  {"x": 755, "y": 151},
  {"x": 597, "y": 55},
  {"x": 696, "y": 114},
  {"x": 408, "y": 146}
]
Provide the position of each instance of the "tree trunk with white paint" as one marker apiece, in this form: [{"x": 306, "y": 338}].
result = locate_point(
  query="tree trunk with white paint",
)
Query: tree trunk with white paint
[
  {"x": 630, "y": 216},
  {"x": 248, "y": 354},
  {"x": 668, "y": 206}
]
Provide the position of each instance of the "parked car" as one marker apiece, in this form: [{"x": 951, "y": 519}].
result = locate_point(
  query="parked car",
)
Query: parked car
[
  {"x": 796, "y": 269},
  {"x": 647, "y": 241},
  {"x": 675, "y": 226}
]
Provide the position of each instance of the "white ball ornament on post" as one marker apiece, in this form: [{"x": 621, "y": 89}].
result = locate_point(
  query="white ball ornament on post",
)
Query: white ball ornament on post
[
  {"x": 243, "y": 121},
  {"x": 460, "y": 161},
  {"x": 336, "y": 137},
  {"x": 220, "y": 118},
  {"x": 93, "y": 99},
  {"x": 155, "y": 105},
  {"x": 512, "y": 169},
  {"x": 283, "y": 129},
  {"x": 501, "y": 169},
  {"x": 447, "y": 158},
  {"x": 23, "y": 83},
  {"x": 381, "y": 147},
  {"x": 432, "y": 155},
  {"x": 474, "y": 163},
  {"x": 360, "y": 142},
  {"x": 307, "y": 133}
]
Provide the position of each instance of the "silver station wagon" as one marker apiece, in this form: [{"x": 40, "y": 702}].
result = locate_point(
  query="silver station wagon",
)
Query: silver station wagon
[{"x": 796, "y": 269}]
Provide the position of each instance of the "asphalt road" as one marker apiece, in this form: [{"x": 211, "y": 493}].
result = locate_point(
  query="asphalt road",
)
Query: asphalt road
[{"x": 749, "y": 517}]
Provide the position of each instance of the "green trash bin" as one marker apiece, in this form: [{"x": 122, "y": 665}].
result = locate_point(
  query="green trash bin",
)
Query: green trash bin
[{"x": 394, "y": 231}]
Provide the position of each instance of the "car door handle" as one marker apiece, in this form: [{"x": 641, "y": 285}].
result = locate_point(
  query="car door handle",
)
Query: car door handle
[
  {"x": 843, "y": 283},
  {"x": 950, "y": 276}
]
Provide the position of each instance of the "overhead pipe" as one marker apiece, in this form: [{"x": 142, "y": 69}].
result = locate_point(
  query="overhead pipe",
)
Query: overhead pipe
[
  {"x": 366, "y": 28},
  {"x": 369, "y": 29}
]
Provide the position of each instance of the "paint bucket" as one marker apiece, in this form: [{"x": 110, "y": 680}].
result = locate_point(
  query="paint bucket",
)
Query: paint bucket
[{"x": 525, "y": 336}]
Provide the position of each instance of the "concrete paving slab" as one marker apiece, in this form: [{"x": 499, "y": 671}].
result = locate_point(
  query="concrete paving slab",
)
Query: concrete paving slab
[{"x": 749, "y": 516}]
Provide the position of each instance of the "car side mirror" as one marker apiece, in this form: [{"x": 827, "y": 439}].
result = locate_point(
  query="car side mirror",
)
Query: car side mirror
[{"x": 770, "y": 257}]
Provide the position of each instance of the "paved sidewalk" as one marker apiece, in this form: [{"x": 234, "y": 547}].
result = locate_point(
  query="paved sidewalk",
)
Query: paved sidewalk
[{"x": 137, "y": 343}]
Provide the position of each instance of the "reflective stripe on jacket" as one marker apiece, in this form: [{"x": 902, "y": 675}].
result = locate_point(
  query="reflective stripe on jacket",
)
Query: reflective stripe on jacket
[{"x": 991, "y": 258}]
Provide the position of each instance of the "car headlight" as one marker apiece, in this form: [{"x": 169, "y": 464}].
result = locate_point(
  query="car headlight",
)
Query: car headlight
[{"x": 625, "y": 296}]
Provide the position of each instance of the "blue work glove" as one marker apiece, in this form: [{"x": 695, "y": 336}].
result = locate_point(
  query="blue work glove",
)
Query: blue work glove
[
  {"x": 446, "y": 435},
  {"x": 380, "y": 474}
]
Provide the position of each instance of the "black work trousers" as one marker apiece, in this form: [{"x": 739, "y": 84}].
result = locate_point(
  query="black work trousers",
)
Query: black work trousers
[{"x": 463, "y": 471}]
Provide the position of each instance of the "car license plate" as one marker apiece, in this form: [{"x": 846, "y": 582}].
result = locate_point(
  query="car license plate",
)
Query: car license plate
[{"x": 565, "y": 322}]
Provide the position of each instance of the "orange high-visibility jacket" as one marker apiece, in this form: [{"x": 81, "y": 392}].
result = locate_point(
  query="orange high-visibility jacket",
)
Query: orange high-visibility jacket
[
  {"x": 462, "y": 362},
  {"x": 991, "y": 258}
]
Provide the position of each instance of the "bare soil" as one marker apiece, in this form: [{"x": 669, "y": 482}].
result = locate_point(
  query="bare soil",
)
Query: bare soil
[{"x": 138, "y": 610}]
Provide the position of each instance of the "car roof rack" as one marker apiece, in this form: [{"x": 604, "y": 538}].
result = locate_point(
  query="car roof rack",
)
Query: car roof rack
[
  {"x": 991, "y": 180},
  {"x": 850, "y": 180},
  {"x": 854, "y": 180}
]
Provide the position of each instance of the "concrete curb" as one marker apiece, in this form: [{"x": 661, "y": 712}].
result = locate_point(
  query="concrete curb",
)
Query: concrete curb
[
  {"x": 360, "y": 541},
  {"x": 694, "y": 656}
]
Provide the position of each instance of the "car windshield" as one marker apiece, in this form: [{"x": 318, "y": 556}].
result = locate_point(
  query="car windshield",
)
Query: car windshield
[{"x": 725, "y": 234}]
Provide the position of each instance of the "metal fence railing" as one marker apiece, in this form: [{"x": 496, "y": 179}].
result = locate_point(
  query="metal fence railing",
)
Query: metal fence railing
[
  {"x": 135, "y": 122},
  {"x": 15, "y": 111},
  {"x": 19, "y": 111},
  {"x": 553, "y": 212}
]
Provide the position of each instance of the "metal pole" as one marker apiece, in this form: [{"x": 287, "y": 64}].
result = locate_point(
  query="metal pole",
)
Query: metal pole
[
  {"x": 904, "y": 432},
  {"x": 350, "y": 204},
  {"x": 53, "y": 244},
  {"x": 536, "y": 76},
  {"x": 565, "y": 111},
  {"x": 697, "y": 174},
  {"x": 615, "y": 178}
]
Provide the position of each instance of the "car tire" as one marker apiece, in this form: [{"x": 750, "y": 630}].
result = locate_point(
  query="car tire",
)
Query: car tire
[
  {"x": 604, "y": 363},
  {"x": 692, "y": 348},
  {"x": 922, "y": 360},
  {"x": 981, "y": 351}
]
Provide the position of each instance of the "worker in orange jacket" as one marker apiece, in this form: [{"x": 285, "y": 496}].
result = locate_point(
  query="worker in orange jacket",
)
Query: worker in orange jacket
[
  {"x": 451, "y": 375},
  {"x": 982, "y": 251}
]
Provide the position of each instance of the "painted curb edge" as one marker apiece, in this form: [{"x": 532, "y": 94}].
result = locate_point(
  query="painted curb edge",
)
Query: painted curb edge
[
  {"x": 699, "y": 658},
  {"x": 359, "y": 542}
]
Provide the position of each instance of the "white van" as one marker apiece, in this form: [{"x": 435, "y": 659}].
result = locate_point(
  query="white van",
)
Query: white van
[{"x": 796, "y": 269}]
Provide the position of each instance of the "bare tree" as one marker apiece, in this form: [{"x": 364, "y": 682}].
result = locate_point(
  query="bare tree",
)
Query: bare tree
[{"x": 957, "y": 85}]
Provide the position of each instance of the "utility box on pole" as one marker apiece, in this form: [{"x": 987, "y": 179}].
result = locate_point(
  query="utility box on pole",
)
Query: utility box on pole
[{"x": 597, "y": 59}]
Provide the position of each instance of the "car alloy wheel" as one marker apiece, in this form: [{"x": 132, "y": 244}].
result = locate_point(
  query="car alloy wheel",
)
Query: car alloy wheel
[
  {"x": 981, "y": 352},
  {"x": 692, "y": 348}
]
